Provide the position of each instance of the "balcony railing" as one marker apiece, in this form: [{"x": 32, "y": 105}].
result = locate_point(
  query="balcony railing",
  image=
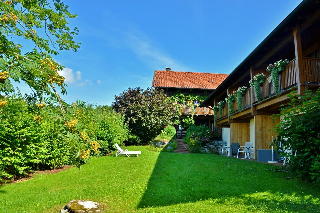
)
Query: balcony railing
[
  {"x": 187, "y": 110},
  {"x": 311, "y": 68},
  {"x": 287, "y": 79}
]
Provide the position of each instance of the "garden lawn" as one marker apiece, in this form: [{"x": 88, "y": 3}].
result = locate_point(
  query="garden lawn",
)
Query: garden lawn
[{"x": 165, "y": 182}]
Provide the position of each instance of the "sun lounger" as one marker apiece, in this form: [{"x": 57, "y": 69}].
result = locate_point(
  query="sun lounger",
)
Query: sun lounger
[{"x": 126, "y": 152}]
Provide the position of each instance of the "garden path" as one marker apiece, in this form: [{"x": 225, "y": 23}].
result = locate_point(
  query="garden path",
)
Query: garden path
[{"x": 181, "y": 147}]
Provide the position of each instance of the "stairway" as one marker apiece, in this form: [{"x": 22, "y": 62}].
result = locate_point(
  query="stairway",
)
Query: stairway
[{"x": 181, "y": 147}]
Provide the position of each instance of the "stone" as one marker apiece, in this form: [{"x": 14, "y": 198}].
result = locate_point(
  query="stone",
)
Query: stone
[{"x": 81, "y": 206}]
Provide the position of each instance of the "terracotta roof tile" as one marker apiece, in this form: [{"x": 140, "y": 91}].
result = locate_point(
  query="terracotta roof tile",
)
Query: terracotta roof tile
[{"x": 196, "y": 80}]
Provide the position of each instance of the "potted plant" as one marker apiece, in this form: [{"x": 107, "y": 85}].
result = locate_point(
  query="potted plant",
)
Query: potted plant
[
  {"x": 240, "y": 93},
  {"x": 255, "y": 82},
  {"x": 275, "y": 69}
]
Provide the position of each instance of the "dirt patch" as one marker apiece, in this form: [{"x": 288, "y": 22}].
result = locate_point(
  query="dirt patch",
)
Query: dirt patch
[{"x": 31, "y": 175}]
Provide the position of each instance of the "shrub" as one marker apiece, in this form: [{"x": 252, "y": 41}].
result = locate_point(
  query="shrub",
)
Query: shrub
[{"x": 298, "y": 131}]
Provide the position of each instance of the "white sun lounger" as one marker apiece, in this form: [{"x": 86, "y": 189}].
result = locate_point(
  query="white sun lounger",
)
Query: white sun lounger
[{"x": 126, "y": 152}]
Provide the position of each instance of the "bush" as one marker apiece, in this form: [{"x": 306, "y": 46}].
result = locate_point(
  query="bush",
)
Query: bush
[
  {"x": 298, "y": 131},
  {"x": 37, "y": 136},
  {"x": 146, "y": 112},
  {"x": 197, "y": 136}
]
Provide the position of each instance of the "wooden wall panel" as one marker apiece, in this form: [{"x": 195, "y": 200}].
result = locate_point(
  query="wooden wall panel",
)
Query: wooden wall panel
[
  {"x": 263, "y": 130},
  {"x": 239, "y": 133}
]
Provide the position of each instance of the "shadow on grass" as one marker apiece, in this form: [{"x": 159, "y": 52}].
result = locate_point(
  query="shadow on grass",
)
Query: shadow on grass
[{"x": 185, "y": 178}]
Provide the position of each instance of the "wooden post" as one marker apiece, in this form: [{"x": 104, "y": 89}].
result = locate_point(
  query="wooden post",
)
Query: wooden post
[
  {"x": 299, "y": 63},
  {"x": 253, "y": 108}
]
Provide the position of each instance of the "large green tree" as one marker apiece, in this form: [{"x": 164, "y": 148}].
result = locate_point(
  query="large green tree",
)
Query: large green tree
[
  {"x": 44, "y": 25},
  {"x": 146, "y": 111}
]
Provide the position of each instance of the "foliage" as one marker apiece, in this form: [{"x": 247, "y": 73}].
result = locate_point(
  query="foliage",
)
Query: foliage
[
  {"x": 275, "y": 69},
  {"x": 197, "y": 136},
  {"x": 241, "y": 91},
  {"x": 189, "y": 99},
  {"x": 215, "y": 110},
  {"x": 221, "y": 105},
  {"x": 187, "y": 121},
  {"x": 145, "y": 111},
  {"x": 256, "y": 82},
  {"x": 168, "y": 133},
  {"x": 230, "y": 99},
  {"x": 298, "y": 135},
  {"x": 35, "y": 136},
  {"x": 29, "y": 20}
]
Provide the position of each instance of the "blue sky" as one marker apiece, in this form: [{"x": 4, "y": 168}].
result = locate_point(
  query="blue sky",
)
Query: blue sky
[{"x": 123, "y": 42}]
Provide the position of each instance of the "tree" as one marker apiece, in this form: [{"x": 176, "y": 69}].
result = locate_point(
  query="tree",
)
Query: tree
[
  {"x": 43, "y": 25},
  {"x": 147, "y": 112},
  {"x": 299, "y": 132}
]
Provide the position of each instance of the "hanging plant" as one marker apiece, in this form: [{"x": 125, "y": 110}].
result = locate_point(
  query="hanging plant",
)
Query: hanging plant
[
  {"x": 230, "y": 99},
  {"x": 240, "y": 93},
  {"x": 221, "y": 105},
  {"x": 256, "y": 82},
  {"x": 275, "y": 69},
  {"x": 215, "y": 110}
]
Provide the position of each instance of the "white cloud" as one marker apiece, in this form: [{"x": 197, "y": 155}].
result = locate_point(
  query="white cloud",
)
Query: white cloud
[
  {"x": 98, "y": 81},
  {"x": 84, "y": 83},
  {"x": 150, "y": 54},
  {"x": 68, "y": 74}
]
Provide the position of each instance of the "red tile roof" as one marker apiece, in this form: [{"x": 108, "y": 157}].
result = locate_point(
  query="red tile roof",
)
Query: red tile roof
[{"x": 195, "y": 80}]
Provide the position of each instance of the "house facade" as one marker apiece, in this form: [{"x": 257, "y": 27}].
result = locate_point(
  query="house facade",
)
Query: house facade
[
  {"x": 297, "y": 39},
  {"x": 189, "y": 83}
]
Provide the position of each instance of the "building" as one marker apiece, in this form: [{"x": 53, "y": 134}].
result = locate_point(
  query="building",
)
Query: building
[
  {"x": 296, "y": 38},
  {"x": 189, "y": 83}
]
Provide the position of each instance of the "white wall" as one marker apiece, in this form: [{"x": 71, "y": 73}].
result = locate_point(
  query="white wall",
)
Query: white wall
[
  {"x": 226, "y": 135},
  {"x": 252, "y": 135}
]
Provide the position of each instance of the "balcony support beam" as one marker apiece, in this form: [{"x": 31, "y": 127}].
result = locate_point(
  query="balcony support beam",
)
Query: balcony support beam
[
  {"x": 299, "y": 63},
  {"x": 253, "y": 108}
]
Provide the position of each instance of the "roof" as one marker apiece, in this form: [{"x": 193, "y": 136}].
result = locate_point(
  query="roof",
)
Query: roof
[
  {"x": 298, "y": 15},
  {"x": 194, "y": 80}
]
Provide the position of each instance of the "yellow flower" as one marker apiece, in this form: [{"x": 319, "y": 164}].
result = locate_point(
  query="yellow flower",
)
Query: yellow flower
[
  {"x": 95, "y": 146},
  {"x": 41, "y": 105},
  {"x": 85, "y": 154},
  {"x": 2, "y": 103}
]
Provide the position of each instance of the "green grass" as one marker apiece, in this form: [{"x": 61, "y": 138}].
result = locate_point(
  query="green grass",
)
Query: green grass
[{"x": 165, "y": 182}]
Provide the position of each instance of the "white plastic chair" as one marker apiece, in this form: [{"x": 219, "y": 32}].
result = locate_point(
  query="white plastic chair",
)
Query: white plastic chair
[
  {"x": 126, "y": 152},
  {"x": 247, "y": 149}
]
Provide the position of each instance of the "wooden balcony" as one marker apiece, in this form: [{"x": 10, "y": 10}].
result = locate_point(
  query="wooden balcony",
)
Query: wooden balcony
[
  {"x": 186, "y": 110},
  {"x": 287, "y": 80}
]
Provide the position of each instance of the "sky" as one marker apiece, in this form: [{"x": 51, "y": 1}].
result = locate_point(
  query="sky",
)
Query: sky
[{"x": 123, "y": 42}]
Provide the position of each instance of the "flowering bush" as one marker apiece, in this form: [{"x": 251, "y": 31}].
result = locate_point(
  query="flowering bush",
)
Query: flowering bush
[
  {"x": 198, "y": 136},
  {"x": 36, "y": 138}
]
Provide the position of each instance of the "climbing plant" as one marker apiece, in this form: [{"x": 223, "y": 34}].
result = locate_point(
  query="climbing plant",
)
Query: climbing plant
[
  {"x": 230, "y": 99},
  {"x": 221, "y": 105},
  {"x": 275, "y": 69},
  {"x": 215, "y": 110},
  {"x": 256, "y": 82},
  {"x": 240, "y": 93}
]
